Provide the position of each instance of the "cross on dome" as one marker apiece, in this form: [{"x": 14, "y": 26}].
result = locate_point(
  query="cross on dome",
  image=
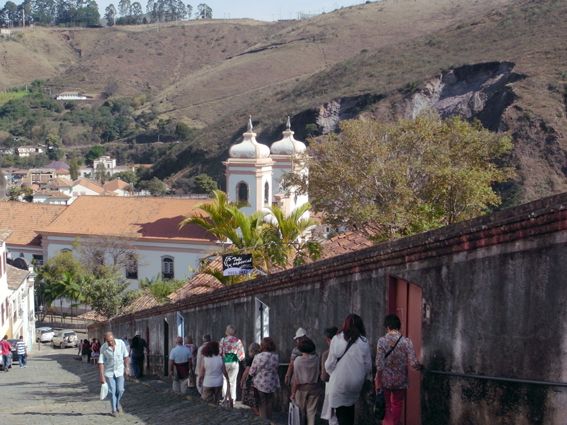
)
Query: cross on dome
[
  {"x": 249, "y": 148},
  {"x": 288, "y": 145}
]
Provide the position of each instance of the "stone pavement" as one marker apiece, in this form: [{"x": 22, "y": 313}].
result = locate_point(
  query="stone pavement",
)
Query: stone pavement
[{"x": 55, "y": 388}]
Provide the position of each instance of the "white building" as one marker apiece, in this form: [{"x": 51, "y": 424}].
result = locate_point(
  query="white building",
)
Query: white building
[
  {"x": 146, "y": 228},
  {"x": 85, "y": 186},
  {"x": 71, "y": 95},
  {"x": 21, "y": 304},
  {"x": 27, "y": 151},
  {"x": 4, "y": 291},
  {"x": 254, "y": 172}
]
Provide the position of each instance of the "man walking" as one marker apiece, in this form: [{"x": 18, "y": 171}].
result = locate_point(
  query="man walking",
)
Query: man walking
[
  {"x": 395, "y": 352},
  {"x": 112, "y": 362},
  {"x": 6, "y": 351},
  {"x": 22, "y": 351},
  {"x": 180, "y": 364}
]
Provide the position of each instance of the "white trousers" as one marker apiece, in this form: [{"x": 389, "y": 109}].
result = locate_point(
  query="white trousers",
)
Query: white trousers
[
  {"x": 232, "y": 370},
  {"x": 180, "y": 386}
]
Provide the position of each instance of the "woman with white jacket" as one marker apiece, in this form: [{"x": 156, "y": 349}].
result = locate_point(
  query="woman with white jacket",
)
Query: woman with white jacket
[{"x": 349, "y": 364}]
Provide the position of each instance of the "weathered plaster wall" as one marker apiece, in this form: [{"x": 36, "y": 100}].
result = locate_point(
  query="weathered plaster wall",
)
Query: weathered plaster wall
[{"x": 496, "y": 290}]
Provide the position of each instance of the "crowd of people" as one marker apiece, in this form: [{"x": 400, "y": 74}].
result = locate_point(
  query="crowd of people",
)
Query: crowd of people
[
  {"x": 334, "y": 379},
  {"x": 328, "y": 384}
]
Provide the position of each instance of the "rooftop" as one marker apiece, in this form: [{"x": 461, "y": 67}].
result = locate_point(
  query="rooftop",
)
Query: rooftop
[
  {"x": 140, "y": 218},
  {"x": 89, "y": 184},
  {"x": 116, "y": 184},
  {"x": 16, "y": 276},
  {"x": 23, "y": 219}
]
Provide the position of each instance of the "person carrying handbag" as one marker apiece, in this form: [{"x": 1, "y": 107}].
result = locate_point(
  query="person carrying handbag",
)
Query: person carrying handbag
[{"x": 393, "y": 355}]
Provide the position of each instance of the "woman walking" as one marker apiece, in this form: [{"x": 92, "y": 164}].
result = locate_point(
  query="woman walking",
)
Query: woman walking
[
  {"x": 211, "y": 374},
  {"x": 248, "y": 390},
  {"x": 232, "y": 353},
  {"x": 264, "y": 369},
  {"x": 349, "y": 364},
  {"x": 305, "y": 389}
]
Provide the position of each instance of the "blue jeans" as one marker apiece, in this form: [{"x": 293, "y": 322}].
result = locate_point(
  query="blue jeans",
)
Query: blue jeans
[
  {"x": 22, "y": 359},
  {"x": 116, "y": 391},
  {"x": 6, "y": 362}
]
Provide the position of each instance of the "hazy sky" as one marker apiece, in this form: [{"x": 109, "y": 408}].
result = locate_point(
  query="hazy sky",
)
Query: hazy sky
[{"x": 267, "y": 10}]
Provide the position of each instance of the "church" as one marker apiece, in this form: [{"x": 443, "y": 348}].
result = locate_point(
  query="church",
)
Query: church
[{"x": 255, "y": 172}]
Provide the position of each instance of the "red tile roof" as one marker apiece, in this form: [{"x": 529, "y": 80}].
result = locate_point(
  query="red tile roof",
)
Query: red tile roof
[
  {"x": 89, "y": 184},
  {"x": 147, "y": 218},
  {"x": 344, "y": 243},
  {"x": 201, "y": 283},
  {"x": 24, "y": 219},
  {"x": 116, "y": 184}
]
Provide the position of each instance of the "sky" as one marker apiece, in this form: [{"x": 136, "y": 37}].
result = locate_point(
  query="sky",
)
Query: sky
[{"x": 266, "y": 10}]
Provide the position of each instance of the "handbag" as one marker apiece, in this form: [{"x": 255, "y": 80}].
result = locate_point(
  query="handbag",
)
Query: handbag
[
  {"x": 103, "y": 391},
  {"x": 380, "y": 405},
  {"x": 293, "y": 417}
]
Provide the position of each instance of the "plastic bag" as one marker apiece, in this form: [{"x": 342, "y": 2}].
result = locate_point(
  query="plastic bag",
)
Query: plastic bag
[
  {"x": 103, "y": 391},
  {"x": 293, "y": 417}
]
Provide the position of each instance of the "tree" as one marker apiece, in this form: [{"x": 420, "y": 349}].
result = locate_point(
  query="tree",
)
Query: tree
[
  {"x": 155, "y": 186},
  {"x": 44, "y": 12},
  {"x": 124, "y": 8},
  {"x": 272, "y": 239},
  {"x": 396, "y": 179},
  {"x": 2, "y": 185},
  {"x": 128, "y": 176},
  {"x": 100, "y": 173},
  {"x": 94, "y": 153},
  {"x": 53, "y": 143},
  {"x": 204, "y": 11},
  {"x": 110, "y": 15},
  {"x": 160, "y": 289},
  {"x": 107, "y": 295},
  {"x": 206, "y": 184},
  {"x": 137, "y": 12},
  {"x": 74, "y": 168}
]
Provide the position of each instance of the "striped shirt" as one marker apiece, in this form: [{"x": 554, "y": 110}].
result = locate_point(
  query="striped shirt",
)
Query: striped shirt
[{"x": 21, "y": 347}]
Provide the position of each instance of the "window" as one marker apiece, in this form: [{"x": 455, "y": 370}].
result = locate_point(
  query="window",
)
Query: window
[
  {"x": 267, "y": 194},
  {"x": 261, "y": 320},
  {"x": 242, "y": 193},
  {"x": 132, "y": 267},
  {"x": 167, "y": 271},
  {"x": 98, "y": 258},
  {"x": 37, "y": 260}
]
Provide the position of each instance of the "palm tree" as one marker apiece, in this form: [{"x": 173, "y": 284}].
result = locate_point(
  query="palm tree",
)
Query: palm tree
[{"x": 290, "y": 233}]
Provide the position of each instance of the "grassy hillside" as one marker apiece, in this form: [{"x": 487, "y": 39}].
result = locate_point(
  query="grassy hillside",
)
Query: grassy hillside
[{"x": 212, "y": 74}]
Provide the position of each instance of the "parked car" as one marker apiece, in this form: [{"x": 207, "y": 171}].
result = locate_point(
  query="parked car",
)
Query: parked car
[
  {"x": 65, "y": 338},
  {"x": 44, "y": 334}
]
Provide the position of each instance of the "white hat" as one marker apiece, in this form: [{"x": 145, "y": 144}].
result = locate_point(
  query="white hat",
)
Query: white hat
[{"x": 299, "y": 333}]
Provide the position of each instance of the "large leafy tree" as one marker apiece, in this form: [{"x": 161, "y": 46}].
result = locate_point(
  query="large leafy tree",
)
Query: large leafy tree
[
  {"x": 204, "y": 11},
  {"x": 396, "y": 179}
]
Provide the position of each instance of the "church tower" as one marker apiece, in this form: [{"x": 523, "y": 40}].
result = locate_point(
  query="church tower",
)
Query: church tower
[
  {"x": 249, "y": 173},
  {"x": 287, "y": 155}
]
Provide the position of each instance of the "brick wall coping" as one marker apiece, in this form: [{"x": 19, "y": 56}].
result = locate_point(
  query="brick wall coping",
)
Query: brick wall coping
[{"x": 547, "y": 215}]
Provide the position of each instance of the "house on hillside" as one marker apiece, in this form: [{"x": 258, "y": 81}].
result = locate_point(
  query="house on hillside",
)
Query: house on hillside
[
  {"x": 23, "y": 219},
  {"x": 27, "y": 151},
  {"x": 117, "y": 187},
  {"x": 72, "y": 95},
  {"x": 145, "y": 230},
  {"x": 52, "y": 197},
  {"x": 85, "y": 186}
]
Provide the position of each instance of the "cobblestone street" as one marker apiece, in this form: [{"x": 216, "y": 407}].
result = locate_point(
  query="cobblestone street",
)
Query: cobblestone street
[{"x": 55, "y": 388}]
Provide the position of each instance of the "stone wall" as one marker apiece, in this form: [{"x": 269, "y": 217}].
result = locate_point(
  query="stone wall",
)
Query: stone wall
[{"x": 495, "y": 292}]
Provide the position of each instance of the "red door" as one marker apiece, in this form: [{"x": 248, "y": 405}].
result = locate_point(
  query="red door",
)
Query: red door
[{"x": 405, "y": 300}]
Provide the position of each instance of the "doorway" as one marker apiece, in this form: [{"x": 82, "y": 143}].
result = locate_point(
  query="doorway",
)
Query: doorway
[
  {"x": 165, "y": 347},
  {"x": 405, "y": 299}
]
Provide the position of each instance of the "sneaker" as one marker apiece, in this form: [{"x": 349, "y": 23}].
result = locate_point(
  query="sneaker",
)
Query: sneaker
[{"x": 115, "y": 414}]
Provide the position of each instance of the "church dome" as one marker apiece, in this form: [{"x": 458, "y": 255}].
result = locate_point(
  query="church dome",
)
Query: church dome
[
  {"x": 288, "y": 145},
  {"x": 249, "y": 147}
]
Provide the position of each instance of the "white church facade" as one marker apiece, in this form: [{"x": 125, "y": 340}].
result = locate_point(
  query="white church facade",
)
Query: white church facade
[{"x": 255, "y": 172}]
